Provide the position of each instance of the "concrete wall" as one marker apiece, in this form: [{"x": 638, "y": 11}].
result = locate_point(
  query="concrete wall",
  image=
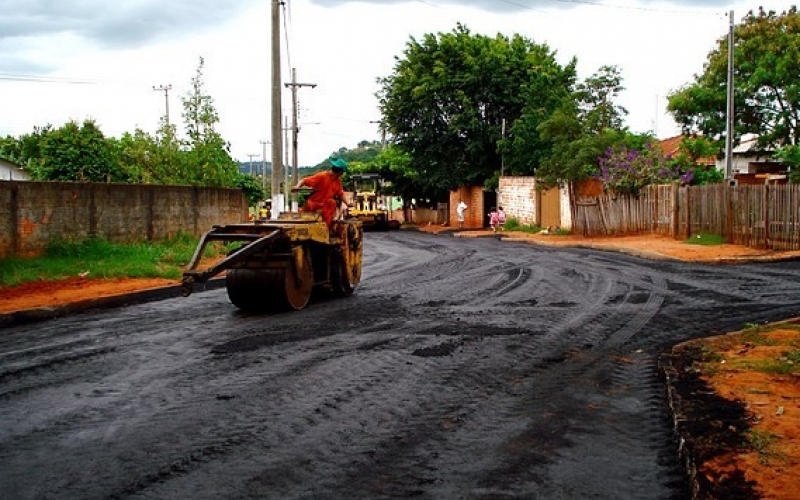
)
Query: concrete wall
[{"x": 34, "y": 213}]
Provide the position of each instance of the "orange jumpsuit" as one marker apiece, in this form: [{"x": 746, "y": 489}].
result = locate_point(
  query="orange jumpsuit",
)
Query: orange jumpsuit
[{"x": 327, "y": 195}]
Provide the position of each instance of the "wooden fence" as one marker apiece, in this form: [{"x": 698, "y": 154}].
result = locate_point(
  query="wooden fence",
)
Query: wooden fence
[{"x": 758, "y": 216}]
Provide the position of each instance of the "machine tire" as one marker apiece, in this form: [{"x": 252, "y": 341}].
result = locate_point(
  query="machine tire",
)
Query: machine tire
[
  {"x": 339, "y": 281},
  {"x": 272, "y": 289}
]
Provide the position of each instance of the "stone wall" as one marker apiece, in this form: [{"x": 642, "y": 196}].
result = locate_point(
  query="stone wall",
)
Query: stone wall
[{"x": 32, "y": 214}]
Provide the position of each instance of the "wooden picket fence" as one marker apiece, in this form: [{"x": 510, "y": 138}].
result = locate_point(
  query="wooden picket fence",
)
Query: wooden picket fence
[{"x": 758, "y": 216}]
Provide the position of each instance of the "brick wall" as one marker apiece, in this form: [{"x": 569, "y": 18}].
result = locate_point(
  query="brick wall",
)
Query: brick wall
[
  {"x": 473, "y": 215},
  {"x": 518, "y": 199},
  {"x": 34, "y": 213}
]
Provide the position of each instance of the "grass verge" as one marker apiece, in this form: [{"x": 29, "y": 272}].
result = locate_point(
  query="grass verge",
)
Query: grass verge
[
  {"x": 98, "y": 258},
  {"x": 705, "y": 239}
]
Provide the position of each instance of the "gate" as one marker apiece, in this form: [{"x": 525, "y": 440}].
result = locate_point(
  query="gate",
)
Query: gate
[{"x": 550, "y": 208}]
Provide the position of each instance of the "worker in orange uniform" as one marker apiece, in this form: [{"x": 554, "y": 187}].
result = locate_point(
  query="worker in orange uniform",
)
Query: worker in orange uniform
[{"x": 328, "y": 193}]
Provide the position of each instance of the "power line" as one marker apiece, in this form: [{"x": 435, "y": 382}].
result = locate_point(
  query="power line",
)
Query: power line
[{"x": 45, "y": 79}]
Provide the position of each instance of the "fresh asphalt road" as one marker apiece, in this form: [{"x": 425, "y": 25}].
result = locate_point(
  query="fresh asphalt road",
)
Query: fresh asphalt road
[{"x": 462, "y": 368}]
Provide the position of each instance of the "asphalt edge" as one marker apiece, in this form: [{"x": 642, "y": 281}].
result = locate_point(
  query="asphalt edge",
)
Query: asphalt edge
[
  {"x": 675, "y": 403},
  {"x": 23, "y": 317},
  {"x": 644, "y": 254}
]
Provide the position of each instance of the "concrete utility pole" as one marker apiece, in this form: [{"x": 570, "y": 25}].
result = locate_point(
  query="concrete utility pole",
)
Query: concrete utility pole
[
  {"x": 250, "y": 163},
  {"x": 729, "y": 120},
  {"x": 264, "y": 165},
  {"x": 277, "y": 173},
  {"x": 286, "y": 187},
  {"x": 165, "y": 89},
  {"x": 295, "y": 130}
]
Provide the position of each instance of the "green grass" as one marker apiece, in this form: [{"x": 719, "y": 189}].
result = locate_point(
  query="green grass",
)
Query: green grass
[
  {"x": 512, "y": 224},
  {"x": 103, "y": 259},
  {"x": 763, "y": 443},
  {"x": 705, "y": 239}
]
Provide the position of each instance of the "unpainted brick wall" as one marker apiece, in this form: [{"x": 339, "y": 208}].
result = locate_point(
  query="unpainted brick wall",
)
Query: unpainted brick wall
[
  {"x": 518, "y": 199},
  {"x": 473, "y": 215},
  {"x": 32, "y": 214}
]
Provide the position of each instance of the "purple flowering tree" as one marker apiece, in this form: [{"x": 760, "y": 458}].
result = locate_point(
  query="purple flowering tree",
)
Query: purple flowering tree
[{"x": 627, "y": 171}]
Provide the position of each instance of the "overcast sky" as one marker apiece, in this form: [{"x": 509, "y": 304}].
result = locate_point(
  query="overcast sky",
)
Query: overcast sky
[{"x": 64, "y": 60}]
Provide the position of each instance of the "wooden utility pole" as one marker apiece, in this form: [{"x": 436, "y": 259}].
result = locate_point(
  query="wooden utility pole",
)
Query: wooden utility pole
[
  {"x": 295, "y": 129},
  {"x": 277, "y": 170}
]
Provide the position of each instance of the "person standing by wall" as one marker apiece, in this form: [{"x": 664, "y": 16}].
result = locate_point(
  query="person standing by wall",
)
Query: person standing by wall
[
  {"x": 460, "y": 208},
  {"x": 501, "y": 218}
]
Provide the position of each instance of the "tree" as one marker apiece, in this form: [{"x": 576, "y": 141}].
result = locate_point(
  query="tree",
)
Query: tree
[
  {"x": 766, "y": 83},
  {"x": 596, "y": 101},
  {"x": 583, "y": 127},
  {"x": 208, "y": 160},
  {"x": 74, "y": 153},
  {"x": 627, "y": 171},
  {"x": 446, "y": 101},
  {"x": 790, "y": 155}
]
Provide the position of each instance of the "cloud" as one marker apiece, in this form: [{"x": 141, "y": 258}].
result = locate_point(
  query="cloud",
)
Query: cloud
[
  {"x": 121, "y": 24},
  {"x": 505, "y": 6}
]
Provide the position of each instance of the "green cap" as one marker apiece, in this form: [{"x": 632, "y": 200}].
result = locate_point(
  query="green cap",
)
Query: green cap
[{"x": 338, "y": 163}]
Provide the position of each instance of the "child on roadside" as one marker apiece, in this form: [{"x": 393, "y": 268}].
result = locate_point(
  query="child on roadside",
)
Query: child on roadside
[
  {"x": 494, "y": 219},
  {"x": 501, "y": 218}
]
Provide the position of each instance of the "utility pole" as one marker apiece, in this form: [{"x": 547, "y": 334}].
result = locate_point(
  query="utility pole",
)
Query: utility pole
[
  {"x": 277, "y": 173},
  {"x": 729, "y": 120},
  {"x": 165, "y": 89},
  {"x": 295, "y": 129},
  {"x": 383, "y": 132},
  {"x": 250, "y": 163},
  {"x": 264, "y": 165},
  {"x": 286, "y": 187}
]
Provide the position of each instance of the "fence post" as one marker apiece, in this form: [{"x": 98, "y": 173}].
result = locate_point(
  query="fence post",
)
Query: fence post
[
  {"x": 654, "y": 208},
  {"x": 727, "y": 203},
  {"x": 766, "y": 216},
  {"x": 688, "y": 233}
]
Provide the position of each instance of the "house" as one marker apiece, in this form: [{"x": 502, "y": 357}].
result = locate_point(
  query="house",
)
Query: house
[
  {"x": 672, "y": 147},
  {"x": 751, "y": 165},
  {"x": 10, "y": 171}
]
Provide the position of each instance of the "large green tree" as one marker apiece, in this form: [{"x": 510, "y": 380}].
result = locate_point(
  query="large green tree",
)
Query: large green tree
[
  {"x": 447, "y": 100},
  {"x": 766, "y": 79},
  {"x": 585, "y": 125}
]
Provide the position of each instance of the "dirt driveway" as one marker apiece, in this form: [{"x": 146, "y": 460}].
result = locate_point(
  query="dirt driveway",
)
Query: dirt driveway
[{"x": 462, "y": 368}]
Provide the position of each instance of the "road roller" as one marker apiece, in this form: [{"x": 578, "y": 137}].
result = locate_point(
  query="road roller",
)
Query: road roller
[{"x": 275, "y": 265}]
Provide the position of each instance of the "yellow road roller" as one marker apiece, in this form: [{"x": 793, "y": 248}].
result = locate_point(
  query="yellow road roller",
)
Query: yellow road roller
[{"x": 281, "y": 262}]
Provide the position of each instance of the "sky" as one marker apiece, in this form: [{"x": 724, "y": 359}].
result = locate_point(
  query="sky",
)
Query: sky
[{"x": 126, "y": 64}]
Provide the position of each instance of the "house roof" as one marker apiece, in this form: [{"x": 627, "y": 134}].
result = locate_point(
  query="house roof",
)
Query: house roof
[{"x": 672, "y": 146}]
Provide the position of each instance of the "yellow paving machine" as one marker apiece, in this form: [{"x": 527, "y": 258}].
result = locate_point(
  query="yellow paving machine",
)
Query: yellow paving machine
[
  {"x": 370, "y": 204},
  {"x": 279, "y": 263}
]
